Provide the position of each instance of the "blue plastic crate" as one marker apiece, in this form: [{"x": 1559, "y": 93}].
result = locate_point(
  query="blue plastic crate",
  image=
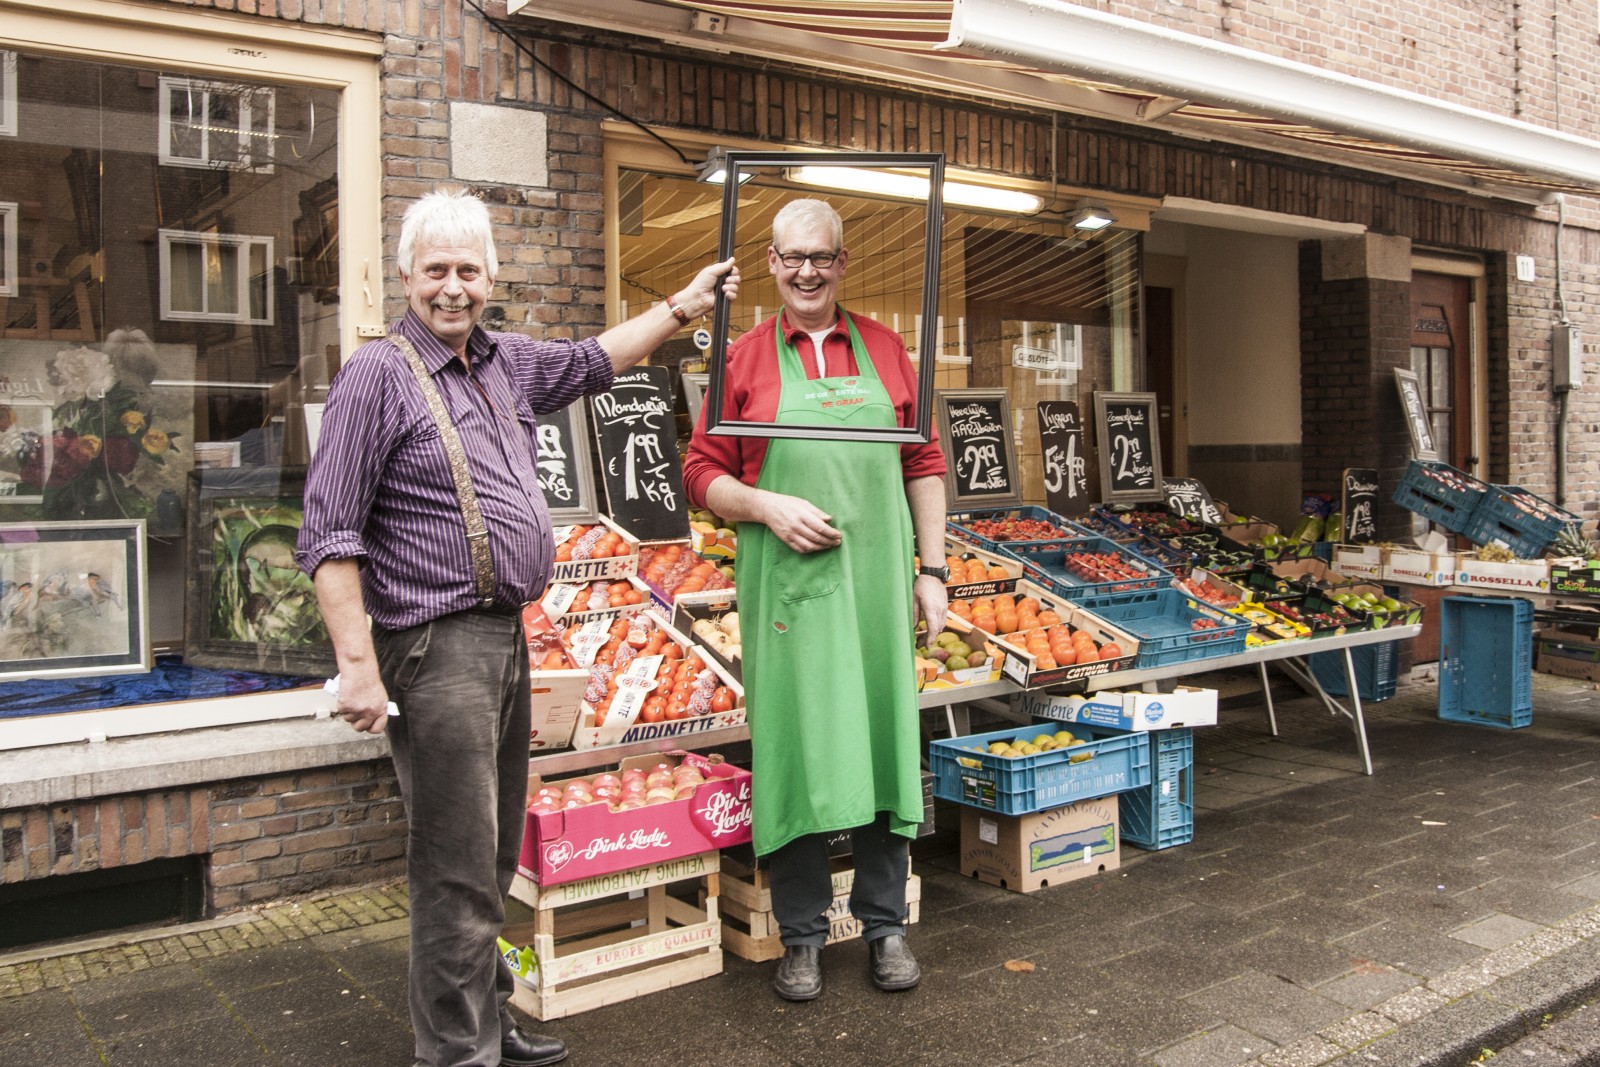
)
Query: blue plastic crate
[
  {"x": 1016, "y": 785},
  {"x": 1439, "y": 492},
  {"x": 1486, "y": 660},
  {"x": 1164, "y": 554},
  {"x": 1376, "y": 670},
  {"x": 1161, "y": 815},
  {"x": 1521, "y": 521},
  {"x": 958, "y": 524},
  {"x": 1045, "y": 562},
  {"x": 1163, "y": 621}
]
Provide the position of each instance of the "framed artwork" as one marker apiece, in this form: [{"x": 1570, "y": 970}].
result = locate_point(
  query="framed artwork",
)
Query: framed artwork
[
  {"x": 96, "y": 433},
  {"x": 249, "y": 606},
  {"x": 72, "y": 599},
  {"x": 920, "y": 176},
  {"x": 9, "y": 283}
]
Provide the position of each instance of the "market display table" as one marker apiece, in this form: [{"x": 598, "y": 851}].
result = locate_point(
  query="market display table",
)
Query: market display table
[
  {"x": 1292, "y": 657},
  {"x": 1289, "y": 655}
]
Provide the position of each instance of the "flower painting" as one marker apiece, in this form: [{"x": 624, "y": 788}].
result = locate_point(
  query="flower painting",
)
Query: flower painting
[{"x": 84, "y": 435}]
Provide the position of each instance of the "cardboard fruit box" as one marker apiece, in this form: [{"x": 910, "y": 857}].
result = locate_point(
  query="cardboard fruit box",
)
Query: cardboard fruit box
[
  {"x": 1000, "y": 573},
  {"x": 591, "y": 839},
  {"x": 1025, "y": 853},
  {"x": 1186, "y": 706},
  {"x": 1581, "y": 576},
  {"x": 1022, "y": 666},
  {"x": 1416, "y": 567},
  {"x": 934, "y": 676},
  {"x": 1567, "y": 655},
  {"x": 584, "y": 569},
  {"x": 622, "y": 726},
  {"x": 1520, "y": 576},
  {"x": 687, "y": 613},
  {"x": 1360, "y": 561}
]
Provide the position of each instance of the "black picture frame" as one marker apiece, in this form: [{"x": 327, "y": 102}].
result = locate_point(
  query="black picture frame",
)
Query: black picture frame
[
  {"x": 738, "y": 162},
  {"x": 73, "y": 599},
  {"x": 248, "y": 606},
  {"x": 976, "y": 436},
  {"x": 1129, "y": 446}
]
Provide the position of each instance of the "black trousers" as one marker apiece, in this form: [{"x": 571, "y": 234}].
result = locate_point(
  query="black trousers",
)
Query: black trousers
[{"x": 802, "y": 888}]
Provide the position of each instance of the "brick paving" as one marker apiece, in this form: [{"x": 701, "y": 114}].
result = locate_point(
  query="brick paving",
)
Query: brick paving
[{"x": 1444, "y": 909}]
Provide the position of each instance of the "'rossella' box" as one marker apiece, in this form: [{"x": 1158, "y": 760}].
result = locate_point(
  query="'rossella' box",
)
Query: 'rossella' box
[{"x": 589, "y": 840}]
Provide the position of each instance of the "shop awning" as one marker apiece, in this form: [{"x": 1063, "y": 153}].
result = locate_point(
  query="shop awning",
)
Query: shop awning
[{"x": 1054, "y": 54}]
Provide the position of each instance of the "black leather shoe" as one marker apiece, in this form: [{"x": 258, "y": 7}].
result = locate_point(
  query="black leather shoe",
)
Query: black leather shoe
[
  {"x": 518, "y": 1049},
  {"x": 893, "y": 966},
  {"x": 799, "y": 974}
]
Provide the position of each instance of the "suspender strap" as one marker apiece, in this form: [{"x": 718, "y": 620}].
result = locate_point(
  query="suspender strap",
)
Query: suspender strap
[{"x": 466, "y": 495}]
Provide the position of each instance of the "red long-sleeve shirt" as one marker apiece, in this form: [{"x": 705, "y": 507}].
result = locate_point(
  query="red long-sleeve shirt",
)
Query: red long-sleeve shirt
[{"x": 750, "y": 394}]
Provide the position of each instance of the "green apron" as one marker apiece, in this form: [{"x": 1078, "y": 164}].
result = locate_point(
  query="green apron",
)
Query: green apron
[{"x": 829, "y": 678}]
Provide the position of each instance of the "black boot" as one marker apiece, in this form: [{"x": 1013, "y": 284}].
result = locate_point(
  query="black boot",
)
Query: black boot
[
  {"x": 893, "y": 966},
  {"x": 799, "y": 974},
  {"x": 518, "y": 1049}
]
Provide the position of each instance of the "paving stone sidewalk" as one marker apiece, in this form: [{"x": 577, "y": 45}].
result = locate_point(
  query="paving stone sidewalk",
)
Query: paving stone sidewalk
[{"x": 1442, "y": 911}]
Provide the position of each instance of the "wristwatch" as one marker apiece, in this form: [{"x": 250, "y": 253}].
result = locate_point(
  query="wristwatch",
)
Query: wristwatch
[{"x": 941, "y": 573}]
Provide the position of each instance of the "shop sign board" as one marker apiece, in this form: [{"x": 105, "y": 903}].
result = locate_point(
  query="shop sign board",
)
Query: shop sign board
[
  {"x": 638, "y": 439},
  {"x": 1415, "y": 410},
  {"x": 1130, "y": 447},
  {"x": 1064, "y": 456},
  {"x": 566, "y": 475},
  {"x": 1358, "y": 503},
  {"x": 975, "y": 432},
  {"x": 1190, "y": 498}
]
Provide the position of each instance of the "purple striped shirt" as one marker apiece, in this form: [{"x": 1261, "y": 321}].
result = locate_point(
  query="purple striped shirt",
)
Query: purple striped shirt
[{"x": 379, "y": 489}]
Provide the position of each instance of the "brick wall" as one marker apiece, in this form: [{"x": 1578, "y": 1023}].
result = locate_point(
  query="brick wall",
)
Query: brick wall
[{"x": 265, "y": 838}]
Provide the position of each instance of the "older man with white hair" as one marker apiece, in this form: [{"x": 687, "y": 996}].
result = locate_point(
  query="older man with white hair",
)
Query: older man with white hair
[{"x": 423, "y": 510}]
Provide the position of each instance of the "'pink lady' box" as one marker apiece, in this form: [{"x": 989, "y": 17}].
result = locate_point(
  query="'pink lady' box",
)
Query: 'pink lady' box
[{"x": 591, "y": 839}]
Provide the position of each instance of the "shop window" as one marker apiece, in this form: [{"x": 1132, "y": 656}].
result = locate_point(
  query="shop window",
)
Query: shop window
[
  {"x": 8, "y": 94},
  {"x": 216, "y": 277},
  {"x": 217, "y": 124},
  {"x": 159, "y": 319}
]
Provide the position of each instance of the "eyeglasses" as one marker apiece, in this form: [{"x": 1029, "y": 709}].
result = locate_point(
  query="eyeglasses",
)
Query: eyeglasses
[{"x": 820, "y": 260}]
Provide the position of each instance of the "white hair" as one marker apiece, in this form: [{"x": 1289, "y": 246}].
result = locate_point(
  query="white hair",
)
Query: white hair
[
  {"x": 447, "y": 218},
  {"x": 807, "y": 213}
]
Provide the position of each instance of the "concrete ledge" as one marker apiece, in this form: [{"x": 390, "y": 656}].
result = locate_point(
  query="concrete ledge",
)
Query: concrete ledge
[{"x": 57, "y": 774}]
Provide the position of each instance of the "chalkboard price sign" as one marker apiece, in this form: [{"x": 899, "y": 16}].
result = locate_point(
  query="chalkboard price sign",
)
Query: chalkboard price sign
[
  {"x": 1129, "y": 445},
  {"x": 1064, "y": 457},
  {"x": 565, "y": 473},
  {"x": 1189, "y": 498},
  {"x": 1416, "y": 413},
  {"x": 975, "y": 432},
  {"x": 634, "y": 426},
  {"x": 1358, "y": 503}
]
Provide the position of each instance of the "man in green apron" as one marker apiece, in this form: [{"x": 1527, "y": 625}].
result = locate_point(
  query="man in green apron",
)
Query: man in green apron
[{"x": 827, "y": 598}]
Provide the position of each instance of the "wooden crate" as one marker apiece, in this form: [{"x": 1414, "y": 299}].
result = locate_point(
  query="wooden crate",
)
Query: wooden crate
[
  {"x": 749, "y": 930},
  {"x": 618, "y": 936}
]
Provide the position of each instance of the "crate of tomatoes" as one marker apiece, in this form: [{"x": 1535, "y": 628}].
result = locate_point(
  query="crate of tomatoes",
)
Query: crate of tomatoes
[
  {"x": 647, "y": 680},
  {"x": 588, "y": 552},
  {"x": 992, "y": 529}
]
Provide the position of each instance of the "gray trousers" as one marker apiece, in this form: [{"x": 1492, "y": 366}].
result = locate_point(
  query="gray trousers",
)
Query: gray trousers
[
  {"x": 460, "y": 746},
  {"x": 802, "y": 889}
]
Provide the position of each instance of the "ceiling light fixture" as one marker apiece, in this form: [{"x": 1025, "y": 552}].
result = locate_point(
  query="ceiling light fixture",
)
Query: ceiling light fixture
[
  {"x": 1091, "y": 218},
  {"x": 913, "y": 187},
  {"x": 714, "y": 171}
]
